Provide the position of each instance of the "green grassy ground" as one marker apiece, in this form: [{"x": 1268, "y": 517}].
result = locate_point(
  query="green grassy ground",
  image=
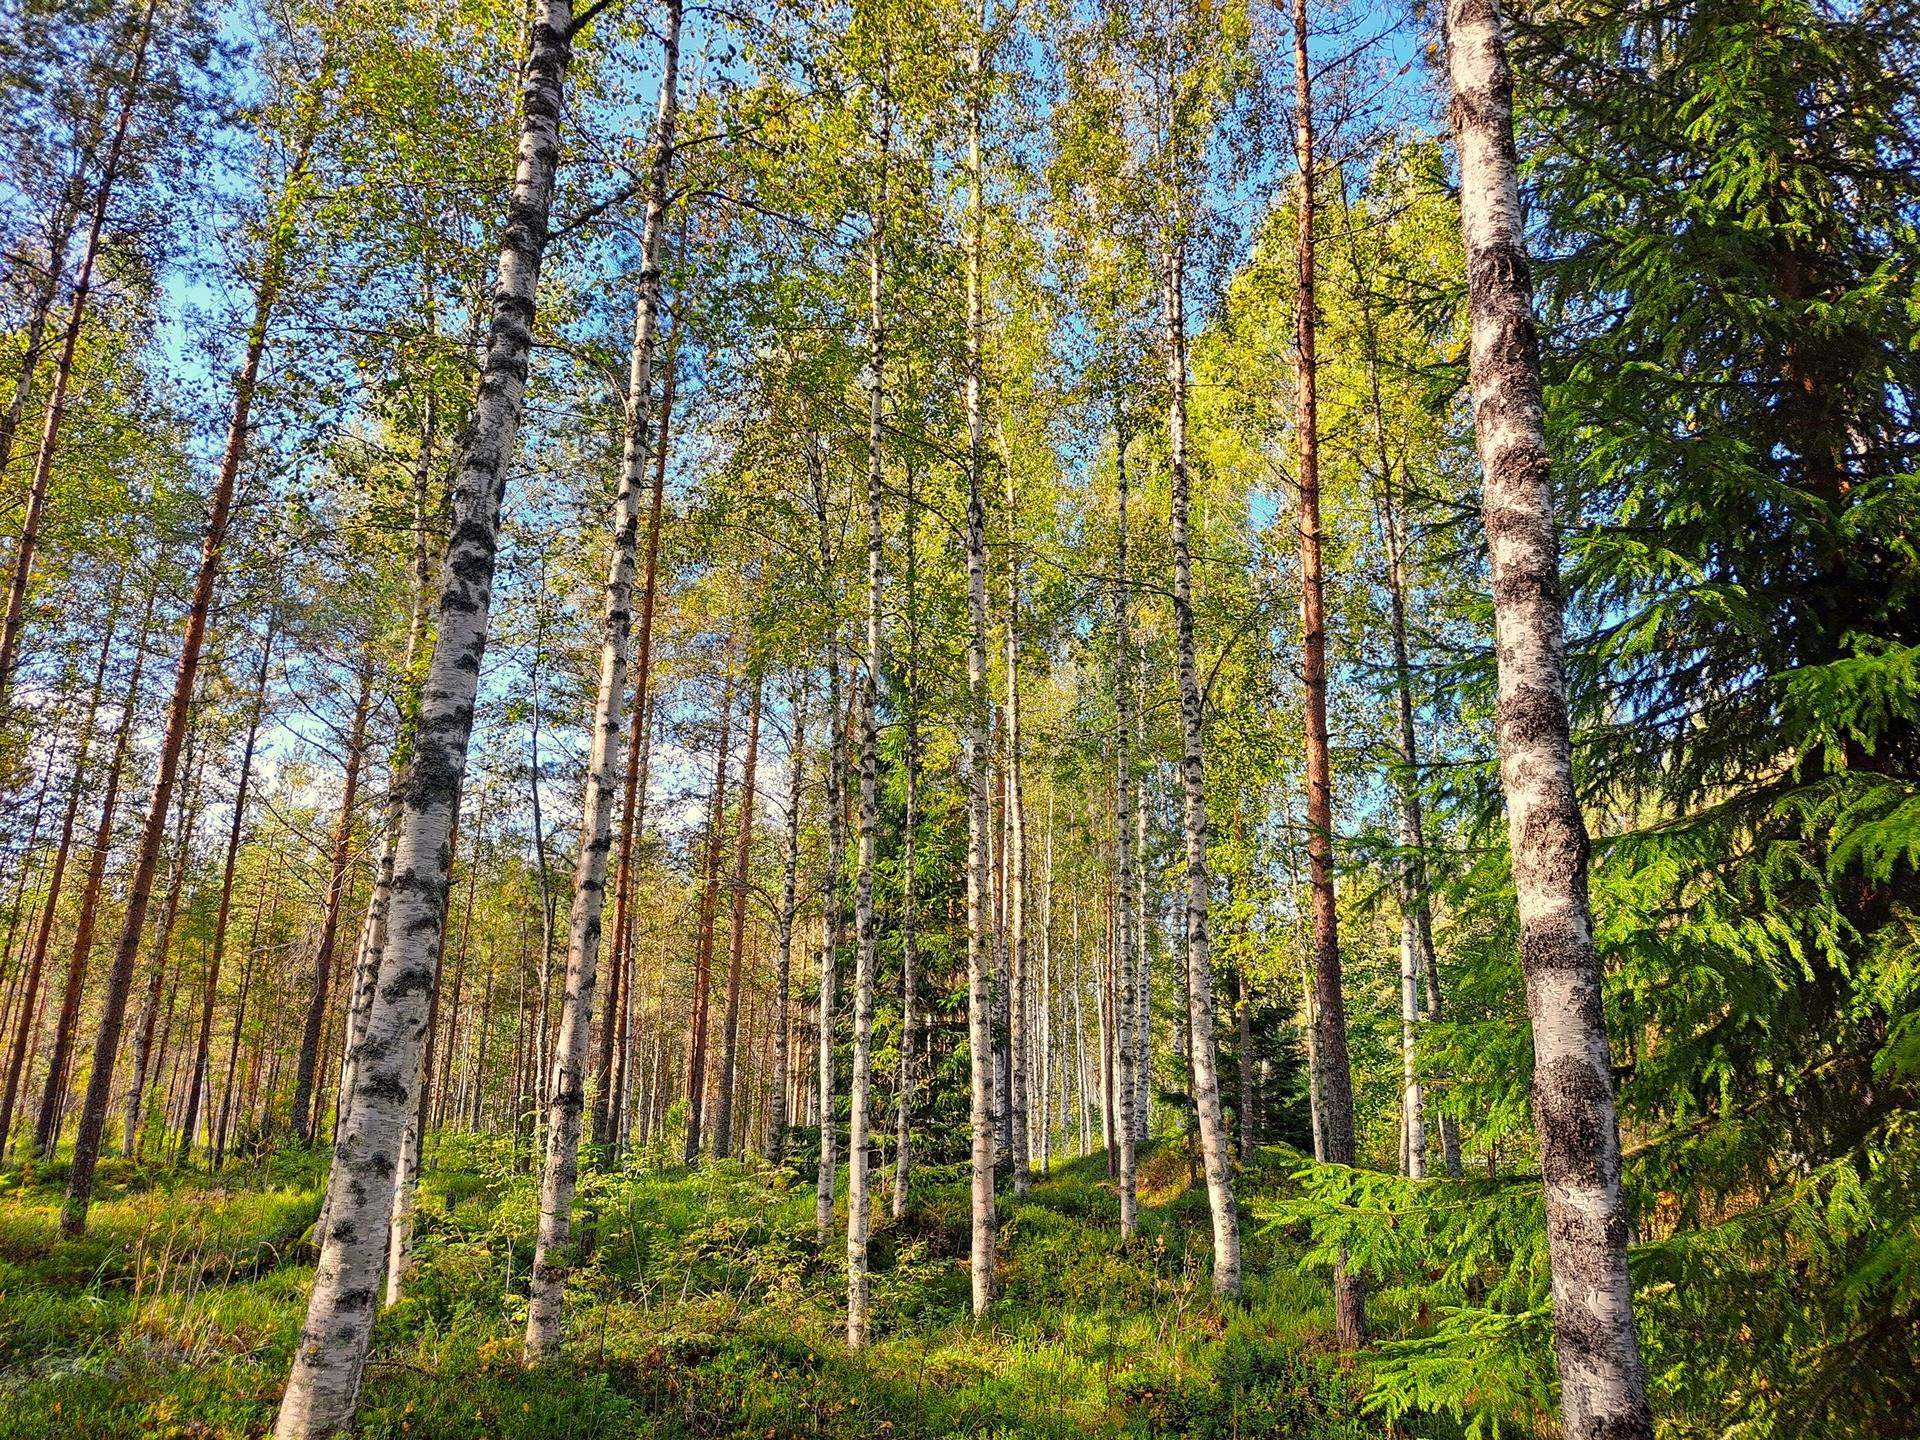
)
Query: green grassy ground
[{"x": 705, "y": 1310}]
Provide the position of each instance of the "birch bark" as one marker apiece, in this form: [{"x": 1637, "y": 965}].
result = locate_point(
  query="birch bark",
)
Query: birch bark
[
  {"x": 979, "y": 820},
  {"x": 778, "y": 1120},
  {"x": 324, "y": 1385},
  {"x": 1125, "y": 801},
  {"x": 1214, "y": 1153},
  {"x": 551, "y": 1256},
  {"x": 1602, "y": 1379},
  {"x": 866, "y": 936}
]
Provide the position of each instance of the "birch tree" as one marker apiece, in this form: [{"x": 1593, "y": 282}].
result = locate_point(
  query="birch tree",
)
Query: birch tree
[
  {"x": 1603, "y": 1383},
  {"x": 324, "y": 1385},
  {"x": 550, "y": 1256}
]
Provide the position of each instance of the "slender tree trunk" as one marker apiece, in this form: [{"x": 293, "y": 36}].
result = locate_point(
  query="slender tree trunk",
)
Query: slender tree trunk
[
  {"x": 635, "y": 797},
  {"x": 778, "y": 1119},
  {"x": 1019, "y": 957},
  {"x": 909, "y": 864},
  {"x": 269, "y": 901},
  {"x": 552, "y": 1260},
  {"x": 56, "y": 405},
  {"x": 1336, "y": 1073},
  {"x": 373, "y": 928},
  {"x": 17, "y": 1058},
  {"x": 979, "y": 940},
  {"x": 324, "y": 1385},
  {"x": 1080, "y": 1031},
  {"x": 698, "y": 1013},
  {"x": 59, "y": 237},
  {"x": 274, "y": 264},
  {"x": 304, "y": 1124},
  {"x": 1124, "y": 803},
  {"x": 833, "y": 918},
  {"x": 1143, "y": 985},
  {"x": 1206, "y": 1066},
  {"x": 737, "y": 937},
  {"x": 866, "y": 932},
  {"x": 65, "y": 1032},
  {"x": 157, "y": 971},
  {"x": 198, "y": 1080},
  {"x": 1603, "y": 1382}
]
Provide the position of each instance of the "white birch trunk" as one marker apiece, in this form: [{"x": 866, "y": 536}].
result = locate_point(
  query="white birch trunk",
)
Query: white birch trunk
[
  {"x": 777, "y": 1110},
  {"x": 979, "y": 818},
  {"x": 323, "y": 1388},
  {"x": 1603, "y": 1382},
  {"x": 551, "y": 1256},
  {"x": 866, "y": 938},
  {"x": 1125, "y": 802},
  {"x": 1214, "y": 1153},
  {"x": 832, "y": 916}
]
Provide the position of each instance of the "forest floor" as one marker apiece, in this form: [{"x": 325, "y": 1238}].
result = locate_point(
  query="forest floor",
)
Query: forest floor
[{"x": 706, "y": 1309}]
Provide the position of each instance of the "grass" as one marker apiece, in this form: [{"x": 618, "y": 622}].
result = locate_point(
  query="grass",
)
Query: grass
[{"x": 704, "y": 1309}]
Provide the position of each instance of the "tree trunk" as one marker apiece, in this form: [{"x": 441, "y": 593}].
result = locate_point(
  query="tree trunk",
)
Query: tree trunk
[
  {"x": 323, "y": 1387},
  {"x": 778, "y": 1120},
  {"x": 1124, "y": 802},
  {"x": 56, "y": 406},
  {"x": 866, "y": 935},
  {"x": 1603, "y": 1382},
  {"x": 551, "y": 1262},
  {"x": 273, "y": 274},
  {"x": 1336, "y": 1072},
  {"x": 909, "y": 862},
  {"x": 197, "y": 1080},
  {"x": 1019, "y": 1039},
  {"x": 269, "y": 901},
  {"x": 150, "y": 1007},
  {"x": 737, "y": 938},
  {"x": 833, "y": 918},
  {"x": 304, "y": 1124},
  {"x": 979, "y": 941},
  {"x": 698, "y": 1012},
  {"x": 65, "y": 1031},
  {"x": 17, "y": 1059},
  {"x": 635, "y": 797},
  {"x": 1200, "y": 1008}
]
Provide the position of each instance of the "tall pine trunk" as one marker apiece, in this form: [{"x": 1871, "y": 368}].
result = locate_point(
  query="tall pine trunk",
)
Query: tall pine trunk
[
  {"x": 56, "y": 406},
  {"x": 1330, "y": 1007},
  {"x": 700, "y": 1007},
  {"x": 197, "y": 1079},
  {"x": 737, "y": 933},
  {"x": 17, "y": 1056},
  {"x": 305, "y": 1124},
  {"x": 66, "y": 1028},
  {"x": 1603, "y": 1382},
  {"x": 275, "y": 263},
  {"x": 324, "y": 1385}
]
